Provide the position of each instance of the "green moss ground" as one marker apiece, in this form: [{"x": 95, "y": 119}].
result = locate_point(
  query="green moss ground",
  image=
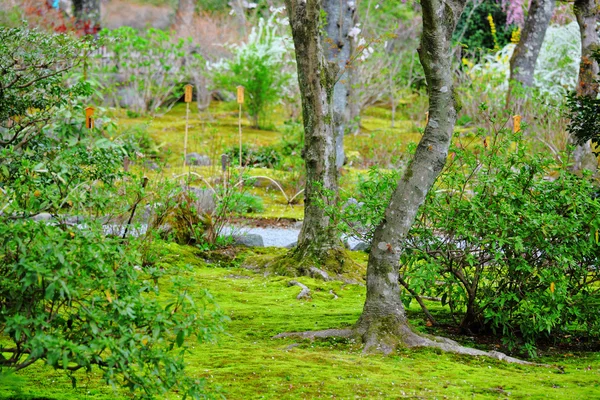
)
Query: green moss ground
[{"x": 247, "y": 364}]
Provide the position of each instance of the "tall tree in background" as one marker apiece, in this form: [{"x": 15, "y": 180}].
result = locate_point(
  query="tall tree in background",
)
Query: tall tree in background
[
  {"x": 316, "y": 77},
  {"x": 338, "y": 47},
  {"x": 522, "y": 62},
  {"x": 586, "y": 12},
  {"x": 87, "y": 15},
  {"x": 185, "y": 16}
]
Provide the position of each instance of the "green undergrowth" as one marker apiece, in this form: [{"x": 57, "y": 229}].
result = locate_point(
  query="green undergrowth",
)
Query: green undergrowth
[{"x": 247, "y": 363}]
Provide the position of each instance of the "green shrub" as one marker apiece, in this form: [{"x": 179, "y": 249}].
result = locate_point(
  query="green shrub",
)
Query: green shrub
[
  {"x": 144, "y": 71},
  {"x": 508, "y": 239},
  {"x": 71, "y": 295},
  {"x": 259, "y": 65}
]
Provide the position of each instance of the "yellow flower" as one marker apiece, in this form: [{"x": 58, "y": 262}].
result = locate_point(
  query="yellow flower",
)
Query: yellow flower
[{"x": 515, "y": 36}]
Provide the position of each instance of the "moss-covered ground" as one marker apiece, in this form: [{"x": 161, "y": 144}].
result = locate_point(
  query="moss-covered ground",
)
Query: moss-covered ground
[{"x": 246, "y": 363}]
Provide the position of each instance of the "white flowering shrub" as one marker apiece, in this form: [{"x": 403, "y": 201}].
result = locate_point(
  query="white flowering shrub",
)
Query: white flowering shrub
[
  {"x": 556, "y": 69},
  {"x": 263, "y": 65}
]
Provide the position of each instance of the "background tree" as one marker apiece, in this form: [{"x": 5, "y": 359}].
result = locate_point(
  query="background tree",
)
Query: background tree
[
  {"x": 338, "y": 46},
  {"x": 316, "y": 77},
  {"x": 586, "y": 12},
  {"x": 87, "y": 15},
  {"x": 522, "y": 62}
]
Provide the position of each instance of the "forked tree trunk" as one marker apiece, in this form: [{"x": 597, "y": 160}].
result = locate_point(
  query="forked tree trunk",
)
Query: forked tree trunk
[
  {"x": 522, "y": 62},
  {"x": 337, "y": 45},
  {"x": 587, "y": 12},
  {"x": 87, "y": 15},
  {"x": 383, "y": 322},
  {"x": 316, "y": 78}
]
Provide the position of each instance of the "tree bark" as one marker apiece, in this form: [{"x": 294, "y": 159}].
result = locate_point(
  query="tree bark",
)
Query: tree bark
[
  {"x": 586, "y": 12},
  {"x": 340, "y": 19},
  {"x": 185, "y": 16},
  {"x": 522, "y": 62},
  {"x": 316, "y": 78},
  {"x": 87, "y": 15},
  {"x": 383, "y": 323}
]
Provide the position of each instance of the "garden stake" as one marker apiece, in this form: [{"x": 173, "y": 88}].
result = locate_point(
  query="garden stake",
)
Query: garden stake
[
  {"x": 89, "y": 121},
  {"x": 187, "y": 99},
  {"x": 516, "y": 123},
  {"x": 240, "y": 100},
  {"x": 516, "y": 128}
]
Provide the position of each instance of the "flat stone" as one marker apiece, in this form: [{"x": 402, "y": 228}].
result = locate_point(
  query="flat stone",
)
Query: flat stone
[
  {"x": 197, "y": 159},
  {"x": 249, "y": 240}
]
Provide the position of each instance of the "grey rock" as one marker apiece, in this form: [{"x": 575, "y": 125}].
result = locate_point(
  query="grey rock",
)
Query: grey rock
[
  {"x": 204, "y": 199},
  {"x": 361, "y": 246},
  {"x": 249, "y": 240},
  {"x": 291, "y": 245},
  {"x": 42, "y": 217},
  {"x": 151, "y": 165},
  {"x": 197, "y": 159}
]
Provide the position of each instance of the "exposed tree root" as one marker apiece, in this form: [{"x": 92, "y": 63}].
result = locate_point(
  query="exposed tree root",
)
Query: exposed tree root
[
  {"x": 304, "y": 293},
  {"x": 377, "y": 339}
]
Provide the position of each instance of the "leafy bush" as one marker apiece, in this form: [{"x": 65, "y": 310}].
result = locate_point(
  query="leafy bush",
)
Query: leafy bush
[
  {"x": 259, "y": 65},
  {"x": 144, "y": 71},
  {"x": 70, "y": 294},
  {"x": 508, "y": 239},
  {"x": 556, "y": 69},
  {"x": 474, "y": 31},
  {"x": 261, "y": 157},
  {"x": 514, "y": 240}
]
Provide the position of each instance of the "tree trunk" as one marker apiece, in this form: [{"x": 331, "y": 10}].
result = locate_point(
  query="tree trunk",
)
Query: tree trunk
[
  {"x": 586, "y": 12},
  {"x": 340, "y": 19},
  {"x": 87, "y": 16},
  {"x": 522, "y": 62},
  {"x": 383, "y": 324},
  {"x": 316, "y": 78},
  {"x": 185, "y": 16}
]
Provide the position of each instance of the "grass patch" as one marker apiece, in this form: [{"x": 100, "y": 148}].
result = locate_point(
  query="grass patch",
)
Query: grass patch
[{"x": 247, "y": 364}]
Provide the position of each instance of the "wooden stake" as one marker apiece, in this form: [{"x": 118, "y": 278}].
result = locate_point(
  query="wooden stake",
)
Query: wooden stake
[
  {"x": 516, "y": 123},
  {"x": 240, "y": 100},
  {"x": 426, "y": 118},
  {"x": 187, "y": 98},
  {"x": 89, "y": 120}
]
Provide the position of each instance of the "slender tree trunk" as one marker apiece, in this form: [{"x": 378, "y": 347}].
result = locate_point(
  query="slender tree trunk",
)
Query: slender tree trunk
[
  {"x": 316, "y": 78},
  {"x": 87, "y": 15},
  {"x": 383, "y": 324},
  {"x": 587, "y": 12},
  {"x": 337, "y": 44},
  {"x": 522, "y": 62},
  {"x": 185, "y": 16}
]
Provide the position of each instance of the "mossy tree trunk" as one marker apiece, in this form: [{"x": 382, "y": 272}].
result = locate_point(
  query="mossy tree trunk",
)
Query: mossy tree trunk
[
  {"x": 87, "y": 15},
  {"x": 316, "y": 78},
  {"x": 338, "y": 46},
  {"x": 383, "y": 323},
  {"x": 587, "y": 12},
  {"x": 525, "y": 55}
]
